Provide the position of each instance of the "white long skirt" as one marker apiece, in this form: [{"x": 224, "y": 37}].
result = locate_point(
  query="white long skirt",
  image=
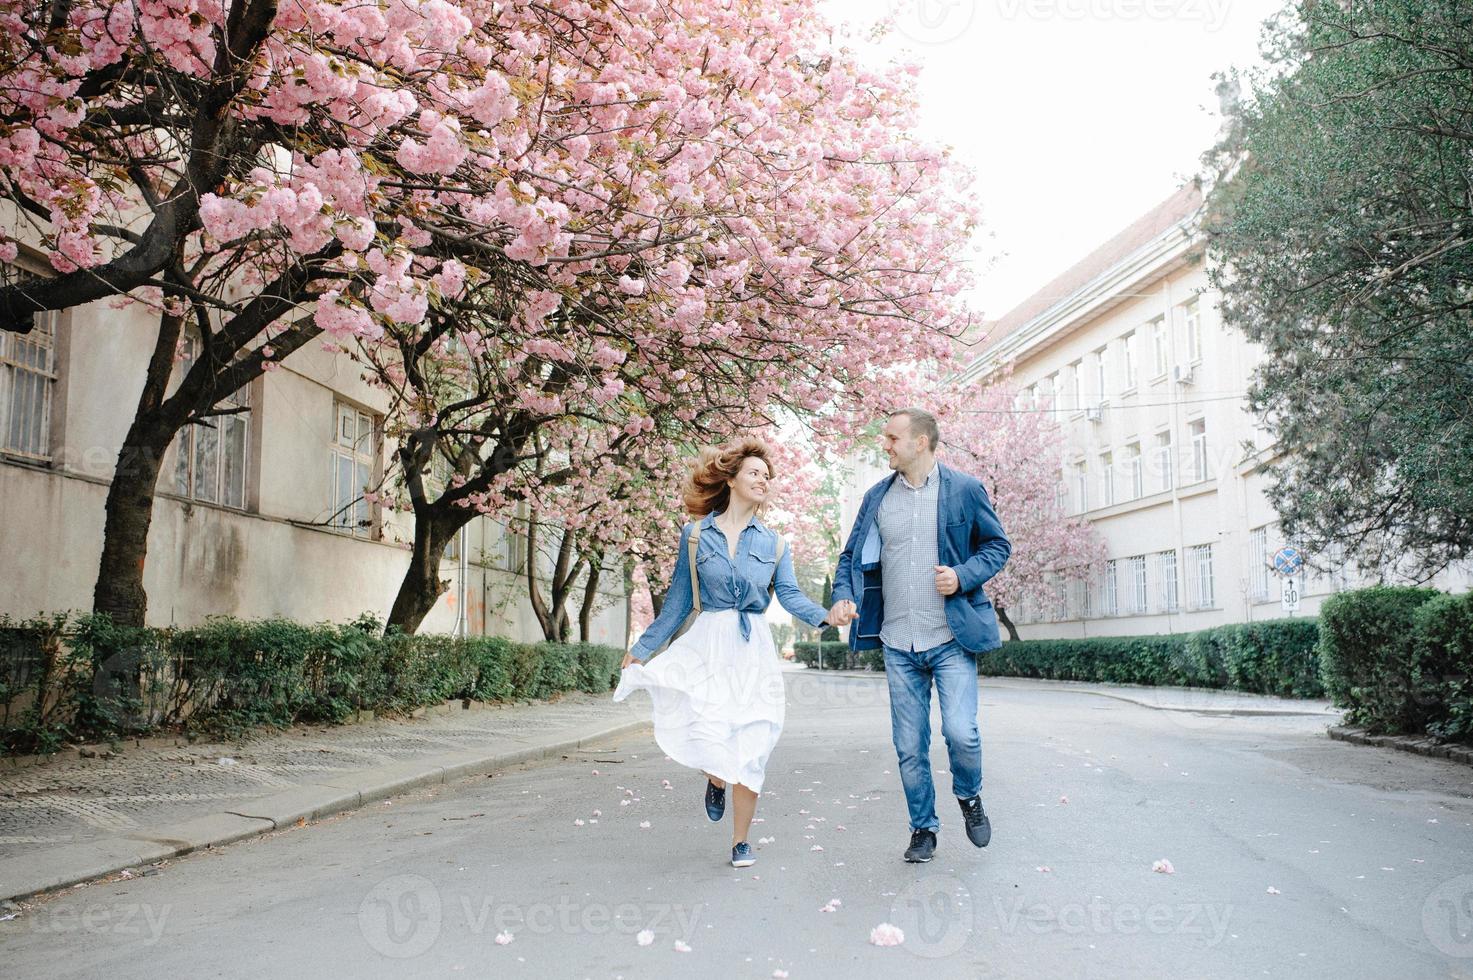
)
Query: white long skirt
[{"x": 718, "y": 699}]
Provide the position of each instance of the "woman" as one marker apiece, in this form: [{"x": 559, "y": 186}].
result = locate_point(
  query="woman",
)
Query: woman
[{"x": 718, "y": 690}]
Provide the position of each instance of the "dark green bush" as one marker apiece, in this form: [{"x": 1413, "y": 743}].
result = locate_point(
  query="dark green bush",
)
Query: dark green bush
[
  {"x": 1367, "y": 650},
  {"x": 63, "y": 679},
  {"x": 1442, "y": 672},
  {"x": 1271, "y": 657},
  {"x": 836, "y": 655}
]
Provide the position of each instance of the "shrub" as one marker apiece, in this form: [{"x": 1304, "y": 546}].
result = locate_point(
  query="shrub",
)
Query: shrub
[
  {"x": 63, "y": 679},
  {"x": 1442, "y": 671},
  {"x": 1271, "y": 657},
  {"x": 1367, "y": 651}
]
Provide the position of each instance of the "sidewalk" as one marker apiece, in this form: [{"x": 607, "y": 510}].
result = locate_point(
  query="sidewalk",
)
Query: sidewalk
[
  {"x": 1202, "y": 700},
  {"x": 73, "y": 819}
]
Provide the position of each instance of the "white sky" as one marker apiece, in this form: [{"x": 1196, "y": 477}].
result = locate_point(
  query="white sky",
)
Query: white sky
[{"x": 1077, "y": 115}]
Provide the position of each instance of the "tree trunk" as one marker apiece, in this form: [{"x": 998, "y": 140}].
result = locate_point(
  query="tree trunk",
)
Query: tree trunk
[
  {"x": 552, "y": 612},
  {"x": 1002, "y": 617},
  {"x": 590, "y": 598},
  {"x": 119, "y": 589},
  {"x": 422, "y": 586}
]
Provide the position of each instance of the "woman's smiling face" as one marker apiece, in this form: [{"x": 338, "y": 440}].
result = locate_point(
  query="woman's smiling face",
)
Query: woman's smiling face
[{"x": 750, "y": 483}]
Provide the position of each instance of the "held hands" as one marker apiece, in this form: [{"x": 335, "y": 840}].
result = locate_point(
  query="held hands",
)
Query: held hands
[
  {"x": 843, "y": 613},
  {"x": 946, "y": 582}
]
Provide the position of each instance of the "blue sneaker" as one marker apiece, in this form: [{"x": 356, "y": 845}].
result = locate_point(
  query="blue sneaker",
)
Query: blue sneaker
[
  {"x": 742, "y": 856},
  {"x": 715, "y": 801}
]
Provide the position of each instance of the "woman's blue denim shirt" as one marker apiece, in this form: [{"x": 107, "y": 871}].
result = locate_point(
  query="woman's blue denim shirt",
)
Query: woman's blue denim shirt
[{"x": 740, "y": 585}]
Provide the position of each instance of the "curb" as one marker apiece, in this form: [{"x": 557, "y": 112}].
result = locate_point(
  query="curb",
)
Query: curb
[
  {"x": 1046, "y": 684},
  {"x": 1416, "y": 744},
  {"x": 72, "y": 864}
]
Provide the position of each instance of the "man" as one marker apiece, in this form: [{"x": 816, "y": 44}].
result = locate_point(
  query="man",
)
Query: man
[{"x": 924, "y": 541}]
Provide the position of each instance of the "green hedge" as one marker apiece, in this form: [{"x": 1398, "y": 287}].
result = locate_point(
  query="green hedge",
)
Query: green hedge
[
  {"x": 64, "y": 679},
  {"x": 1399, "y": 659},
  {"x": 1276, "y": 656}
]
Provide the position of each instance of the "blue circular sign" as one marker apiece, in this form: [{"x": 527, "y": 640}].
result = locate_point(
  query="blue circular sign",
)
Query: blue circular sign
[{"x": 1288, "y": 560}]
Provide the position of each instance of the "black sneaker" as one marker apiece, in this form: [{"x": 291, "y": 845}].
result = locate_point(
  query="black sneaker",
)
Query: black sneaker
[
  {"x": 922, "y": 846},
  {"x": 715, "y": 800},
  {"x": 979, "y": 828}
]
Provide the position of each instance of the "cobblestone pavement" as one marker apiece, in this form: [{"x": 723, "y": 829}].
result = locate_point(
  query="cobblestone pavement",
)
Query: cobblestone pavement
[{"x": 72, "y": 799}]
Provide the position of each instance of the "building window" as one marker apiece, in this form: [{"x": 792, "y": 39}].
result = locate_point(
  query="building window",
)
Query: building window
[
  {"x": 1158, "y": 346},
  {"x": 27, "y": 377},
  {"x": 1101, "y": 374},
  {"x": 1081, "y": 487},
  {"x": 1191, "y": 320},
  {"x": 1128, "y": 352},
  {"x": 1046, "y": 394},
  {"x": 354, "y": 453},
  {"x": 1107, "y": 479},
  {"x": 1109, "y": 593},
  {"x": 1078, "y": 598},
  {"x": 1197, "y": 432},
  {"x": 1162, "y": 460},
  {"x": 509, "y": 549},
  {"x": 211, "y": 455},
  {"x": 1199, "y": 577},
  {"x": 1076, "y": 386},
  {"x": 1135, "y": 584},
  {"x": 1137, "y": 470},
  {"x": 1258, "y": 567},
  {"x": 1166, "y": 573}
]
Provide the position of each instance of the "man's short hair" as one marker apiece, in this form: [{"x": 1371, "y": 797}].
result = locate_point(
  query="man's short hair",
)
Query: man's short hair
[{"x": 922, "y": 423}]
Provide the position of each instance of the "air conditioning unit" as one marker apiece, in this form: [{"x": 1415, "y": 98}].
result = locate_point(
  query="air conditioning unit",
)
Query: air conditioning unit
[
  {"x": 1182, "y": 374},
  {"x": 1094, "y": 413}
]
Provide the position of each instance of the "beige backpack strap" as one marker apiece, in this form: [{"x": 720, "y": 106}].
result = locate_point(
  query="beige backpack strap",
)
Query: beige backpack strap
[
  {"x": 782, "y": 547},
  {"x": 695, "y": 585}
]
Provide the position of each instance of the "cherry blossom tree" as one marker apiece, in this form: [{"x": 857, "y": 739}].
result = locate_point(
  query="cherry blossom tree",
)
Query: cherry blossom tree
[
  {"x": 652, "y": 219},
  {"x": 1018, "y": 456}
]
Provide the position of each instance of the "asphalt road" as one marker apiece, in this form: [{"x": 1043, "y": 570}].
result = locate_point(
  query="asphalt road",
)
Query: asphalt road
[{"x": 1293, "y": 856}]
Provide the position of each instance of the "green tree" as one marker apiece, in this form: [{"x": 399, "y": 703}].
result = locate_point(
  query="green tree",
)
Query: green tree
[{"x": 1342, "y": 219}]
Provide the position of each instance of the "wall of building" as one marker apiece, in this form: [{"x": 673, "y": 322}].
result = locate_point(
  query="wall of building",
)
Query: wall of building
[{"x": 274, "y": 556}]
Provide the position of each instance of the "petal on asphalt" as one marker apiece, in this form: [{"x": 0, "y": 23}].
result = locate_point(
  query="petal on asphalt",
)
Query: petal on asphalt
[
  {"x": 1273, "y": 891},
  {"x": 502, "y": 938},
  {"x": 886, "y": 934},
  {"x": 1164, "y": 867},
  {"x": 645, "y": 937},
  {"x": 681, "y": 947}
]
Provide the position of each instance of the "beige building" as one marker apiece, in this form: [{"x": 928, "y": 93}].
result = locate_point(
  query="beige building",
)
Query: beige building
[
  {"x": 262, "y": 516},
  {"x": 1125, "y": 349}
]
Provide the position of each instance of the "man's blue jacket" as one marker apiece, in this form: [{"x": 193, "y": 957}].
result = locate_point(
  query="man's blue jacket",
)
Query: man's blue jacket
[{"x": 970, "y": 539}]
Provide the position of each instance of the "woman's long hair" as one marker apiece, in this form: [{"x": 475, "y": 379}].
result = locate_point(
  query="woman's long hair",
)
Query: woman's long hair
[{"x": 706, "y": 487}]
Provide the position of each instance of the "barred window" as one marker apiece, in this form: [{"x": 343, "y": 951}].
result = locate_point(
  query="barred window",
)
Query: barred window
[
  {"x": 1135, "y": 584},
  {"x": 27, "y": 378},
  {"x": 1199, "y": 577},
  {"x": 1258, "y": 563},
  {"x": 1110, "y": 592},
  {"x": 1166, "y": 574}
]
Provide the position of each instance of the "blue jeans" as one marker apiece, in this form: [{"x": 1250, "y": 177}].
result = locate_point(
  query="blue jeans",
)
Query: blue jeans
[{"x": 909, "y": 673}]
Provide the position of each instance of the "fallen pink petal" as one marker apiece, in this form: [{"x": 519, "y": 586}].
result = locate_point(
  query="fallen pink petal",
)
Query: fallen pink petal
[
  {"x": 886, "y": 934},
  {"x": 1164, "y": 867}
]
